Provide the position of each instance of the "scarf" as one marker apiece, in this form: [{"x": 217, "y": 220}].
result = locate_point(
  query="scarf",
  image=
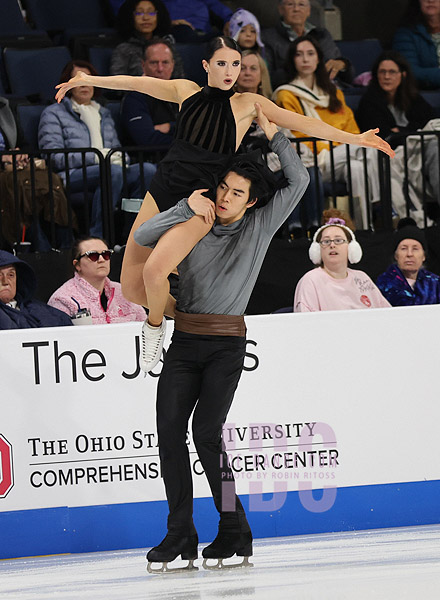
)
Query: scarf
[{"x": 310, "y": 98}]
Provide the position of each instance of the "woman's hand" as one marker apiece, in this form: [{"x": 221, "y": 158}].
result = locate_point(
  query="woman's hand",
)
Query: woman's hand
[
  {"x": 369, "y": 139},
  {"x": 79, "y": 79},
  {"x": 269, "y": 128},
  {"x": 202, "y": 206}
]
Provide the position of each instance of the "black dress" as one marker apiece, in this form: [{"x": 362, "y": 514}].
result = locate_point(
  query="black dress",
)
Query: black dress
[{"x": 205, "y": 140}]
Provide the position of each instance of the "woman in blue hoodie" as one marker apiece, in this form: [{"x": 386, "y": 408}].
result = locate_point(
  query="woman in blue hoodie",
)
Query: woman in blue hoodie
[{"x": 418, "y": 40}]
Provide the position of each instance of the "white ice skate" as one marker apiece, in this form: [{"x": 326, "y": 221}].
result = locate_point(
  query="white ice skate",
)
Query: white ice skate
[{"x": 152, "y": 339}]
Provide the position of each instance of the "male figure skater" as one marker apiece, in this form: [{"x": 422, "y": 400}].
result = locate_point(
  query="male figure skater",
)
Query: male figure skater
[{"x": 205, "y": 359}]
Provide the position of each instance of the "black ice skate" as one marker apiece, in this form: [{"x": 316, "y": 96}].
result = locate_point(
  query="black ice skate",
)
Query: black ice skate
[
  {"x": 226, "y": 545},
  {"x": 169, "y": 549}
]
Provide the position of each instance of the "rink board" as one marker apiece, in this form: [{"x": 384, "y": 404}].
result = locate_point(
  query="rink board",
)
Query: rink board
[{"x": 333, "y": 427}]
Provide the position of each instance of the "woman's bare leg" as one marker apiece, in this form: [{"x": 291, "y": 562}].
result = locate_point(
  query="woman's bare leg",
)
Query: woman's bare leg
[
  {"x": 170, "y": 250},
  {"x": 135, "y": 256}
]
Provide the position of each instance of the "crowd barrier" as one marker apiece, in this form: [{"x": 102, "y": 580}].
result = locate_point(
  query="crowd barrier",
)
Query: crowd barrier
[
  {"x": 333, "y": 428},
  {"x": 335, "y": 185}
]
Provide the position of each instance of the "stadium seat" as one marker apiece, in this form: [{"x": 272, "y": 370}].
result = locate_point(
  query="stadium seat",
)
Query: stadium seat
[
  {"x": 362, "y": 53},
  {"x": 29, "y": 118},
  {"x": 192, "y": 56},
  {"x": 13, "y": 29},
  {"x": 71, "y": 17},
  {"x": 35, "y": 72},
  {"x": 115, "y": 110},
  {"x": 100, "y": 57}
]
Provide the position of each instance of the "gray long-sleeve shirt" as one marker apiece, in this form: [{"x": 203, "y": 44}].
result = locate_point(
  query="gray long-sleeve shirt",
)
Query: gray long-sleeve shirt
[{"x": 219, "y": 274}]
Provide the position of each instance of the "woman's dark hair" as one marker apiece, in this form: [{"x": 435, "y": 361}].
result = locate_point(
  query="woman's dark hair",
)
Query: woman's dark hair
[
  {"x": 77, "y": 244},
  {"x": 66, "y": 73},
  {"x": 222, "y": 41},
  {"x": 407, "y": 90},
  {"x": 323, "y": 80},
  {"x": 125, "y": 19},
  {"x": 413, "y": 15}
]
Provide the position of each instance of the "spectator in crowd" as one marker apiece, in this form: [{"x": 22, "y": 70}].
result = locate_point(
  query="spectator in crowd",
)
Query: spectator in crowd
[
  {"x": 310, "y": 92},
  {"x": 391, "y": 100},
  {"x": 191, "y": 20},
  {"x": 91, "y": 289},
  {"x": 11, "y": 138},
  {"x": 254, "y": 78},
  {"x": 294, "y": 24},
  {"x": 137, "y": 23},
  {"x": 244, "y": 28},
  {"x": 407, "y": 283},
  {"x": 80, "y": 122},
  {"x": 333, "y": 285},
  {"x": 147, "y": 120},
  {"x": 418, "y": 40},
  {"x": 393, "y": 103},
  {"x": 18, "y": 310}
]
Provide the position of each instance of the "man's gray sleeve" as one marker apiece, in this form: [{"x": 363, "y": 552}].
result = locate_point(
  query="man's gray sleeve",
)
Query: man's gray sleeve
[
  {"x": 273, "y": 215},
  {"x": 149, "y": 232}
]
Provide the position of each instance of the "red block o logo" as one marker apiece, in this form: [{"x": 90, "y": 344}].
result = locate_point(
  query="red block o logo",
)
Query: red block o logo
[{"x": 6, "y": 470}]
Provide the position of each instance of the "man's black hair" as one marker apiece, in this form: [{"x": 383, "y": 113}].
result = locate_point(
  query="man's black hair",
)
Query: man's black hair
[{"x": 264, "y": 183}]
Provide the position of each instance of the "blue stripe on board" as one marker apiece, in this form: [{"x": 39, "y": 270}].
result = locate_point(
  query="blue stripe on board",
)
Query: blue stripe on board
[{"x": 137, "y": 525}]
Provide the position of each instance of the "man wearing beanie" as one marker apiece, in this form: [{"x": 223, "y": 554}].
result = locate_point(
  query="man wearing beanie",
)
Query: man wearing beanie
[
  {"x": 18, "y": 309},
  {"x": 406, "y": 283}
]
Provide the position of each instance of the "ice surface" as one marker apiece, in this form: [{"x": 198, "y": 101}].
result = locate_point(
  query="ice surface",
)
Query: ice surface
[{"x": 383, "y": 563}]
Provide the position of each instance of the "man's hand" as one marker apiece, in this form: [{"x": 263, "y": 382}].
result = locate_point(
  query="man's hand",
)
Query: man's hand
[
  {"x": 163, "y": 127},
  {"x": 333, "y": 66},
  {"x": 269, "y": 128},
  {"x": 182, "y": 22},
  {"x": 202, "y": 206}
]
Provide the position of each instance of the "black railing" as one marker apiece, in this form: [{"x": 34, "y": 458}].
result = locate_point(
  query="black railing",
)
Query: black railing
[{"x": 80, "y": 196}]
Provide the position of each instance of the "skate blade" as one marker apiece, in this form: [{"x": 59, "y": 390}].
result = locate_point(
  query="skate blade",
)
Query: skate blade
[
  {"x": 165, "y": 569},
  {"x": 221, "y": 565}
]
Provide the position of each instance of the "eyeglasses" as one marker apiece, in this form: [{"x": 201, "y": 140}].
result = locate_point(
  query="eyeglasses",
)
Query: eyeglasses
[
  {"x": 141, "y": 13},
  {"x": 336, "y": 241},
  {"x": 391, "y": 72},
  {"x": 94, "y": 255}
]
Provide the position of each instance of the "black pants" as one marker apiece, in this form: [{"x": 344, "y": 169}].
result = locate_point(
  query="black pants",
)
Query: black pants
[{"x": 200, "y": 374}]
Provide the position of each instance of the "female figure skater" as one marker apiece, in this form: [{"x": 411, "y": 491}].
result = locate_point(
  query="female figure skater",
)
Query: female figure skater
[{"x": 211, "y": 124}]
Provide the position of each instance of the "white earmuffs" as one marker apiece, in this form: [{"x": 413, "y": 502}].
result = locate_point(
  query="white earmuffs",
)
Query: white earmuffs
[{"x": 354, "y": 248}]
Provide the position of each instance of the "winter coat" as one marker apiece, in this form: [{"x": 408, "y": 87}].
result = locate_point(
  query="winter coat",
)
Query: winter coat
[
  {"x": 343, "y": 119},
  {"x": 398, "y": 292},
  {"x": 119, "y": 310},
  {"x": 196, "y": 12},
  {"x": 276, "y": 41},
  {"x": 139, "y": 115},
  {"x": 417, "y": 46},
  {"x": 61, "y": 127},
  {"x": 29, "y": 313},
  {"x": 373, "y": 112}
]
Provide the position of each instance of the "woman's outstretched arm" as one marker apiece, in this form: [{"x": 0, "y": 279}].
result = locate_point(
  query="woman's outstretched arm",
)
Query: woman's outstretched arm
[
  {"x": 319, "y": 129},
  {"x": 172, "y": 90}
]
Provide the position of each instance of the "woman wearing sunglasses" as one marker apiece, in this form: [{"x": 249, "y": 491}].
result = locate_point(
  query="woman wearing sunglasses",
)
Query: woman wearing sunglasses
[
  {"x": 333, "y": 285},
  {"x": 90, "y": 288}
]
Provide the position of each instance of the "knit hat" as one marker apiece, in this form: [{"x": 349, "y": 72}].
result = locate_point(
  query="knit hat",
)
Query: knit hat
[
  {"x": 240, "y": 19},
  {"x": 407, "y": 230}
]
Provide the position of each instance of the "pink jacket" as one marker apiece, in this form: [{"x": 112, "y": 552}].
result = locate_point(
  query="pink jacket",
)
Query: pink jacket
[{"x": 119, "y": 310}]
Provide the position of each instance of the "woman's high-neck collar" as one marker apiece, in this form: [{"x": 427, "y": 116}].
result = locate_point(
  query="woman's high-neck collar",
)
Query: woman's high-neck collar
[{"x": 217, "y": 94}]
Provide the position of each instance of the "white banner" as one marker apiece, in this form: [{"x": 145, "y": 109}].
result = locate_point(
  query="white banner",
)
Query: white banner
[{"x": 326, "y": 400}]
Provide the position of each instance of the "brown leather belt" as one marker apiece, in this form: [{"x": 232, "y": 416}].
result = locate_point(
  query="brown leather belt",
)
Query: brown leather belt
[{"x": 233, "y": 325}]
